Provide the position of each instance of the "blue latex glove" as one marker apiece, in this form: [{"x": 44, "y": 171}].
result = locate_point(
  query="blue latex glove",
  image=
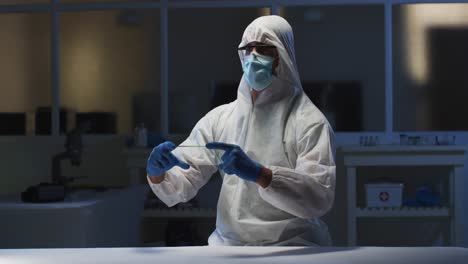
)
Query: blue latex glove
[
  {"x": 235, "y": 161},
  {"x": 161, "y": 159}
]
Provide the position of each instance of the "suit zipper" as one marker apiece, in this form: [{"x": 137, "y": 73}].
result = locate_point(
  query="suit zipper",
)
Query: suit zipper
[{"x": 243, "y": 148}]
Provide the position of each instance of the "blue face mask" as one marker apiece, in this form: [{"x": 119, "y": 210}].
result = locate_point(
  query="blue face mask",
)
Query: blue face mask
[{"x": 258, "y": 70}]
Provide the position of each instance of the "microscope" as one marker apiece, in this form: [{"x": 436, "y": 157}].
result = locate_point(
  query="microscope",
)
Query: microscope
[{"x": 55, "y": 191}]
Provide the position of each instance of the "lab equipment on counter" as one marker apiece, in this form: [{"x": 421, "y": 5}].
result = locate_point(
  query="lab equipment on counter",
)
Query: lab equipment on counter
[
  {"x": 56, "y": 191},
  {"x": 369, "y": 141},
  {"x": 412, "y": 140},
  {"x": 425, "y": 140},
  {"x": 384, "y": 194},
  {"x": 425, "y": 196},
  {"x": 445, "y": 139},
  {"x": 44, "y": 193}
]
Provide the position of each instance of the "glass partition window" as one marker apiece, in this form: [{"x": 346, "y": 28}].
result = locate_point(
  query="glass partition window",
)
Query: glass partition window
[
  {"x": 18, "y": 2},
  {"x": 204, "y": 65},
  {"x": 340, "y": 55},
  {"x": 102, "y": 1},
  {"x": 25, "y": 74},
  {"x": 110, "y": 69},
  {"x": 430, "y": 66}
]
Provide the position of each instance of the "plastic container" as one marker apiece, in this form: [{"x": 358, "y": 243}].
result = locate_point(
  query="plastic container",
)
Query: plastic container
[
  {"x": 141, "y": 136},
  {"x": 384, "y": 194}
]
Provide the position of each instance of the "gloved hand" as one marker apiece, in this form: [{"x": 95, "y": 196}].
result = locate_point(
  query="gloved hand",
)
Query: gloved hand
[
  {"x": 161, "y": 159},
  {"x": 235, "y": 161}
]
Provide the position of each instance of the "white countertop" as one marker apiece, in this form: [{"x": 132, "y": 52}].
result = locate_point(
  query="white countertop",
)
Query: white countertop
[
  {"x": 77, "y": 199},
  {"x": 243, "y": 255},
  {"x": 84, "y": 219}
]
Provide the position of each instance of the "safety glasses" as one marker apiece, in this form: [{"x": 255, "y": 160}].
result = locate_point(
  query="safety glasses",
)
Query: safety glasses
[{"x": 262, "y": 49}]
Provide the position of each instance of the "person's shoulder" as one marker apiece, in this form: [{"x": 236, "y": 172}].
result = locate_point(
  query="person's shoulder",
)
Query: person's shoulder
[
  {"x": 310, "y": 121},
  {"x": 308, "y": 114},
  {"x": 219, "y": 111},
  {"x": 222, "y": 108}
]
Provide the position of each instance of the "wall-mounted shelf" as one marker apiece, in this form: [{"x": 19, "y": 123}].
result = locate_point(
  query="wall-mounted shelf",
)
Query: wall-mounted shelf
[
  {"x": 180, "y": 213},
  {"x": 402, "y": 212}
]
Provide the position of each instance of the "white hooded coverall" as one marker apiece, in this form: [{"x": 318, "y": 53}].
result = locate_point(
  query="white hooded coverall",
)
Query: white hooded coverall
[{"x": 284, "y": 132}]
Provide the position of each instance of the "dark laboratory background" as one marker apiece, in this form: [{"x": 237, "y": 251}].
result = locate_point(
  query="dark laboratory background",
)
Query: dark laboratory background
[{"x": 87, "y": 91}]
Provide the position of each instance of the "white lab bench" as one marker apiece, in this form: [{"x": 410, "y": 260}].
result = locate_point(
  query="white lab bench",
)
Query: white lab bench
[
  {"x": 235, "y": 255},
  {"x": 452, "y": 157}
]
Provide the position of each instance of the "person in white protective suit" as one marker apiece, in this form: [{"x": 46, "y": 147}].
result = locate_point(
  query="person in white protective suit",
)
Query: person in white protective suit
[{"x": 275, "y": 147}]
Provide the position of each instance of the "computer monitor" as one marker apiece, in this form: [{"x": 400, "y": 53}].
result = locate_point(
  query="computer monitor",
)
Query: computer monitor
[
  {"x": 12, "y": 124},
  {"x": 44, "y": 121},
  {"x": 100, "y": 122}
]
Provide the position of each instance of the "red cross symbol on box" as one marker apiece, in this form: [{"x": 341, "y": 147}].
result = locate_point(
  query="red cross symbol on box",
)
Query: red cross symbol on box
[{"x": 383, "y": 196}]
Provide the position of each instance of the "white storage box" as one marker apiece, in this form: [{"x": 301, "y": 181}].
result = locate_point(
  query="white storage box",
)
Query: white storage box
[{"x": 384, "y": 194}]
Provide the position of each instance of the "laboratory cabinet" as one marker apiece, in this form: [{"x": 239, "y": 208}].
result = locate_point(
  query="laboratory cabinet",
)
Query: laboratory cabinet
[{"x": 408, "y": 164}]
